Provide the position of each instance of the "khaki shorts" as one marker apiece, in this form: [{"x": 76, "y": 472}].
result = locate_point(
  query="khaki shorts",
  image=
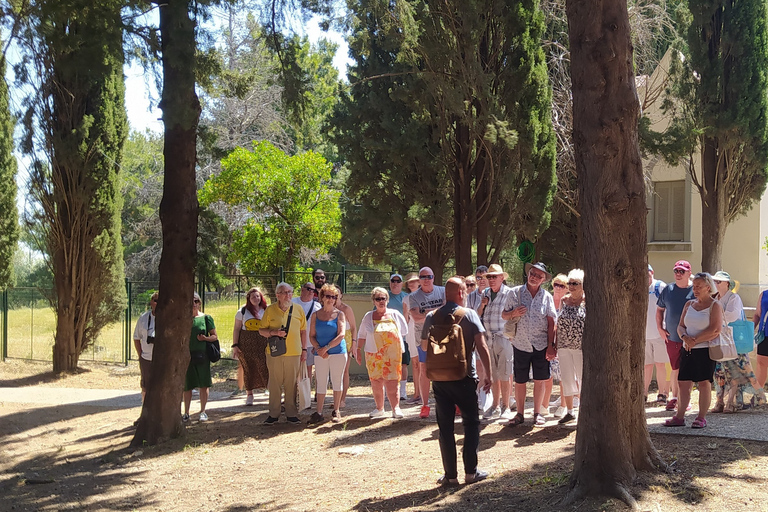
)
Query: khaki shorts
[
  {"x": 501, "y": 357},
  {"x": 655, "y": 351}
]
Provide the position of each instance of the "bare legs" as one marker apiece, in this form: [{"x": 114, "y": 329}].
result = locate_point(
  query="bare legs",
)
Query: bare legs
[
  {"x": 203, "y": 399},
  {"x": 379, "y": 386},
  {"x": 762, "y": 370}
]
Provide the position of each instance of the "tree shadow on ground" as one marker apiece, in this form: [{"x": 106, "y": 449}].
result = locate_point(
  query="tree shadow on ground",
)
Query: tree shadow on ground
[{"x": 40, "y": 378}]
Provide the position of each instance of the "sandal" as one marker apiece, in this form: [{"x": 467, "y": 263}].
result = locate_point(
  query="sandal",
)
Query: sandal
[
  {"x": 719, "y": 407},
  {"x": 699, "y": 423},
  {"x": 730, "y": 409},
  {"x": 674, "y": 421},
  {"x": 519, "y": 419}
]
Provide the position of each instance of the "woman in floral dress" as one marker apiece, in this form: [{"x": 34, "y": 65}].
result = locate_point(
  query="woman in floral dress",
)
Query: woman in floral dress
[
  {"x": 568, "y": 335},
  {"x": 381, "y": 333}
]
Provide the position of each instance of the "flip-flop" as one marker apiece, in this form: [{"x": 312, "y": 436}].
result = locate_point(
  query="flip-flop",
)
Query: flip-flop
[
  {"x": 447, "y": 482},
  {"x": 674, "y": 421},
  {"x": 699, "y": 423},
  {"x": 519, "y": 419}
]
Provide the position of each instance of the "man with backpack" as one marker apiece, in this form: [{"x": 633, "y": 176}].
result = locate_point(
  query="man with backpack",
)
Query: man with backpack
[{"x": 450, "y": 335}]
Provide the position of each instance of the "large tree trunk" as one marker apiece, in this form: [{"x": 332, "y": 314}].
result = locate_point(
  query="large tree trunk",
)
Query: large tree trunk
[
  {"x": 160, "y": 416},
  {"x": 462, "y": 194},
  {"x": 714, "y": 206},
  {"x": 612, "y": 441}
]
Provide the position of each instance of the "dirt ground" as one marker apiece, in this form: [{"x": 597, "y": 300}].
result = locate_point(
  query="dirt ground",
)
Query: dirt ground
[{"x": 76, "y": 457}]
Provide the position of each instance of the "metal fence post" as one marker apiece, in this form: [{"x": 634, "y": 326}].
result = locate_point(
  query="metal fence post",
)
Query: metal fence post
[
  {"x": 127, "y": 326},
  {"x": 343, "y": 279},
  {"x": 281, "y": 274},
  {"x": 4, "y": 334}
]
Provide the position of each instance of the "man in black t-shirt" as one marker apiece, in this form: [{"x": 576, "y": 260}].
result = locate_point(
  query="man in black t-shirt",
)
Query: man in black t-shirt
[{"x": 460, "y": 393}]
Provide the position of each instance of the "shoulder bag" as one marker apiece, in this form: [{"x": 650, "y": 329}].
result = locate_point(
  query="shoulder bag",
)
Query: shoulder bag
[
  {"x": 212, "y": 348},
  {"x": 276, "y": 344},
  {"x": 510, "y": 326},
  {"x": 722, "y": 348}
]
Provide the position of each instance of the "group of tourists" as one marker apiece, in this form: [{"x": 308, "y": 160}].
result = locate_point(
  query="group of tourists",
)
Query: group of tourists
[
  {"x": 686, "y": 317},
  {"x": 511, "y": 335}
]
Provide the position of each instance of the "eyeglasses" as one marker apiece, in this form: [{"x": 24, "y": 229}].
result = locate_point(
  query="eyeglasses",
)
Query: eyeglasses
[
  {"x": 284, "y": 292},
  {"x": 334, "y": 297},
  {"x": 395, "y": 280},
  {"x": 573, "y": 283},
  {"x": 536, "y": 275},
  {"x": 558, "y": 285},
  {"x": 680, "y": 271},
  {"x": 197, "y": 301},
  {"x": 480, "y": 276},
  {"x": 380, "y": 299},
  {"x": 319, "y": 278},
  {"x": 309, "y": 289},
  {"x": 427, "y": 277},
  {"x": 493, "y": 276},
  {"x": 471, "y": 285}
]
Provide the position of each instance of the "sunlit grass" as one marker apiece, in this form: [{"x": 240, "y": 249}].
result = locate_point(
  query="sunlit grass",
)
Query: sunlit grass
[{"x": 31, "y": 333}]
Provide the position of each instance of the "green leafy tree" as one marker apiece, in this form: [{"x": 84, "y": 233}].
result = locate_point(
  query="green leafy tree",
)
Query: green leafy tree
[
  {"x": 294, "y": 214},
  {"x": 9, "y": 216},
  {"x": 75, "y": 48},
  {"x": 718, "y": 104}
]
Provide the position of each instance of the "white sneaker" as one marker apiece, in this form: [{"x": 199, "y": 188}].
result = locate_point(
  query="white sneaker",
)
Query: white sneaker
[
  {"x": 560, "y": 412},
  {"x": 249, "y": 400},
  {"x": 492, "y": 413},
  {"x": 203, "y": 417},
  {"x": 512, "y": 404},
  {"x": 576, "y": 402},
  {"x": 556, "y": 403},
  {"x": 506, "y": 414},
  {"x": 397, "y": 413},
  {"x": 377, "y": 413}
]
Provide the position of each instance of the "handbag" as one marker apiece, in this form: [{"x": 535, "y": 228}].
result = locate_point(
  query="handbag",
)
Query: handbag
[
  {"x": 743, "y": 334},
  {"x": 212, "y": 348},
  {"x": 305, "y": 389},
  {"x": 723, "y": 348},
  {"x": 510, "y": 326},
  {"x": 276, "y": 344},
  {"x": 760, "y": 335}
]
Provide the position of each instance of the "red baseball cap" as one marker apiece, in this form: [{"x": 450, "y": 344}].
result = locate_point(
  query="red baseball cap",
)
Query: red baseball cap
[{"x": 682, "y": 264}]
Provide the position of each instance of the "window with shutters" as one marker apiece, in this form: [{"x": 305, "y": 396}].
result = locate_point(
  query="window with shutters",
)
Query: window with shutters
[{"x": 669, "y": 210}]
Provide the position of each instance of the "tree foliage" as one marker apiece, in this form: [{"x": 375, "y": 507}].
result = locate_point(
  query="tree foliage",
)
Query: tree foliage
[
  {"x": 75, "y": 129},
  {"x": 9, "y": 216},
  {"x": 293, "y": 214},
  {"x": 718, "y": 104},
  {"x": 430, "y": 107},
  {"x": 397, "y": 192}
]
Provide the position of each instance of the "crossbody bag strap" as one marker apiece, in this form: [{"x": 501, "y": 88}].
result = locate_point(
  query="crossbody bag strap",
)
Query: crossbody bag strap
[
  {"x": 288, "y": 323},
  {"x": 458, "y": 314}
]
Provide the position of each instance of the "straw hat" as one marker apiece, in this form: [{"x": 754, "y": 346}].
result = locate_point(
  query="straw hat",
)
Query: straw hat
[
  {"x": 413, "y": 276},
  {"x": 495, "y": 270}
]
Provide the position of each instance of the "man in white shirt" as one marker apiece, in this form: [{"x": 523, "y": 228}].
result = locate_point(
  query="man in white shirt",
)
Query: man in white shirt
[
  {"x": 655, "y": 346},
  {"x": 143, "y": 340}
]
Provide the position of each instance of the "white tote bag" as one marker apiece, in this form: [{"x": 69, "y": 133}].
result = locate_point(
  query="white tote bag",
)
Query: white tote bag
[{"x": 305, "y": 388}]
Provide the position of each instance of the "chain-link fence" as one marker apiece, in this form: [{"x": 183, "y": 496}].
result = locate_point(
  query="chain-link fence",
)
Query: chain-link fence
[{"x": 28, "y": 324}]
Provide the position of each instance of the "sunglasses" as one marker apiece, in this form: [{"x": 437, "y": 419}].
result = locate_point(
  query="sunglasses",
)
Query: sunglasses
[
  {"x": 493, "y": 276},
  {"x": 197, "y": 301},
  {"x": 471, "y": 285},
  {"x": 680, "y": 271},
  {"x": 395, "y": 280},
  {"x": 558, "y": 285},
  {"x": 309, "y": 289},
  {"x": 380, "y": 299},
  {"x": 573, "y": 283},
  {"x": 334, "y": 297},
  {"x": 427, "y": 277},
  {"x": 536, "y": 276}
]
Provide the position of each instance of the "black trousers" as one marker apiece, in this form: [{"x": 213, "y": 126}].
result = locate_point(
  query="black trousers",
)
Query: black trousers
[{"x": 448, "y": 395}]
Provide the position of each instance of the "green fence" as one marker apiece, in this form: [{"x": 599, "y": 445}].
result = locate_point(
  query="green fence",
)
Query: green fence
[{"x": 28, "y": 324}]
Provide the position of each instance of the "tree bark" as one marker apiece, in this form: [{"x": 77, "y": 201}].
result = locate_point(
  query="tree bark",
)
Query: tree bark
[
  {"x": 714, "y": 206},
  {"x": 612, "y": 441},
  {"x": 462, "y": 194},
  {"x": 160, "y": 416}
]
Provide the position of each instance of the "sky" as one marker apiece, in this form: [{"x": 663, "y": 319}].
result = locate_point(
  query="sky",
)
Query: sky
[{"x": 141, "y": 95}]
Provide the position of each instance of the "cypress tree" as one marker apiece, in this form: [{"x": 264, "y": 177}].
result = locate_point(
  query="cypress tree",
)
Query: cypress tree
[
  {"x": 9, "y": 217},
  {"x": 719, "y": 103},
  {"x": 78, "y": 49}
]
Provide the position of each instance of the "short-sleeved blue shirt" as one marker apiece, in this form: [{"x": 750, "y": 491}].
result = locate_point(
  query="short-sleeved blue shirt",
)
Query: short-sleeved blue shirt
[{"x": 673, "y": 299}]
